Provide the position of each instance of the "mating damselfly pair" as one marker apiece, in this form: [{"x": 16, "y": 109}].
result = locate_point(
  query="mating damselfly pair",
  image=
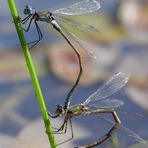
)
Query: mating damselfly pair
[
  {"x": 56, "y": 19},
  {"x": 101, "y": 104}
]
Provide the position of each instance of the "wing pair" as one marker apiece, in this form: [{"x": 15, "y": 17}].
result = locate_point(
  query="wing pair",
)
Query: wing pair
[{"x": 83, "y": 7}]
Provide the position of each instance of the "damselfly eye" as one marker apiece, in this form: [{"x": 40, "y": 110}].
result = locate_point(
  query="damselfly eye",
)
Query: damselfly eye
[
  {"x": 60, "y": 109},
  {"x": 28, "y": 10}
]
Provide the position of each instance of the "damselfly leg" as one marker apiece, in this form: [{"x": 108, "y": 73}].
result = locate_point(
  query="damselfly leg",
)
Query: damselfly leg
[
  {"x": 39, "y": 33},
  {"x": 63, "y": 128}
]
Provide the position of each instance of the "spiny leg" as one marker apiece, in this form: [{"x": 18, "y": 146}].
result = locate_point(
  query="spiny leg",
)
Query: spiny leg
[
  {"x": 54, "y": 116},
  {"x": 29, "y": 25},
  {"x": 72, "y": 134},
  {"x": 71, "y": 129},
  {"x": 63, "y": 126},
  {"x": 23, "y": 21},
  {"x": 62, "y": 129},
  {"x": 40, "y": 36}
]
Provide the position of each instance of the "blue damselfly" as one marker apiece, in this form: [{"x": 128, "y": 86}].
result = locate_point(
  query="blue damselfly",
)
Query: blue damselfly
[{"x": 56, "y": 18}]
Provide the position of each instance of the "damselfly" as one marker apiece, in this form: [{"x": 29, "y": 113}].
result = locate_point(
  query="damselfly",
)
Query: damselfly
[
  {"x": 54, "y": 18},
  {"x": 96, "y": 104}
]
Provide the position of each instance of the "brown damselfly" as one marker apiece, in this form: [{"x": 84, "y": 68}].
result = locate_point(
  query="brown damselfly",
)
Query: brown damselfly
[{"x": 97, "y": 104}]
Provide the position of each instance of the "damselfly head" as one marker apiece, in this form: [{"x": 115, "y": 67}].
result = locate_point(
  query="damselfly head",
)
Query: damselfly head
[
  {"x": 28, "y": 10},
  {"x": 60, "y": 110}
]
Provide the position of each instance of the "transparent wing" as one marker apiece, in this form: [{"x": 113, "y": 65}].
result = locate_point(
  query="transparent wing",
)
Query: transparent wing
[
  {"x": 107, "y": 104},
  {"x": 79, "y": 42},
  {"x": 82, "y": 7},
  {"x": 124, "y": 129},
  {"x": 109, "y": 87},
  {"x": 76, "y": 25}
]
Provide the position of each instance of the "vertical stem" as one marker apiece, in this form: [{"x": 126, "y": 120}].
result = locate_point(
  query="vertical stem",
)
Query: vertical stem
[
  {"x": 32, "y": 72},
  {"x": 114, "y": 141}
]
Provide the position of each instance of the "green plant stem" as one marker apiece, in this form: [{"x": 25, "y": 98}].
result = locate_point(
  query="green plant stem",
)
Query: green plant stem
[
  {"x": 114, "y": 141},
  {"x": 32, "y": 72}
]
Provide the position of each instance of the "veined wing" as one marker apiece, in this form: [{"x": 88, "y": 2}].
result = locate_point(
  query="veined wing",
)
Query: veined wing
[
  {"x": 109, "y": 87},
  {"x": 76, "y": 25},
  {"x": 107, "y": 104},
  {"x": 79, "y": 42},
  {"x": 124, "y": 129},
  {"x": 82, "y": 7}
]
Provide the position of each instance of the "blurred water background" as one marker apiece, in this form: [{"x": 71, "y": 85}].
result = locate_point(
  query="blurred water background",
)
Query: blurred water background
[{"x": 121, "y": 46}]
